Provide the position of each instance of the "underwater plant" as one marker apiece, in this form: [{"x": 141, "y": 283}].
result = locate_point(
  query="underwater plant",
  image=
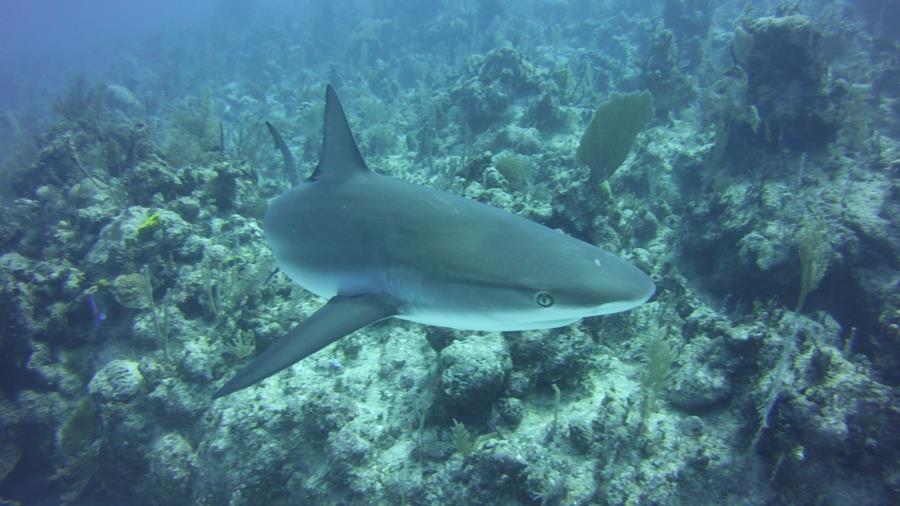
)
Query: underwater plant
[
  {"x": 514, "y": 169},
  {"x": 463, "y": 440},
  {"x": 195, "y": 133},
  {"x": 80, "y": 428},
  {"x": 243, "y": 345},
  {"x": 607, "y": 140},
  {"x": 813, "y": 247},
  {"x": 659, "y": 359},
  {"x": 80, "y": 104}
]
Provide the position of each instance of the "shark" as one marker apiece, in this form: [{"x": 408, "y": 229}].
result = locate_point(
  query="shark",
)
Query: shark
[{"x": 378, "y": 247}]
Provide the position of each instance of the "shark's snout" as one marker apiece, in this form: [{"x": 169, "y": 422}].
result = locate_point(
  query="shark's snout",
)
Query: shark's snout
[
  {"x": 623, "y": 286},
  {"x": 637, "y": 286}
]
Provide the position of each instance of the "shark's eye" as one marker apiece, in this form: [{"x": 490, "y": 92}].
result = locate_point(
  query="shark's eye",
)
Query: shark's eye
[{"x": 543, "y": 299}]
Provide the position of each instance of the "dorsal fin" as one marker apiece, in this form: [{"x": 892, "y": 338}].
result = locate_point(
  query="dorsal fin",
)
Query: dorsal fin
[
  {"x": 340, "y": 154},
  {"x": 290, "y": 166}
]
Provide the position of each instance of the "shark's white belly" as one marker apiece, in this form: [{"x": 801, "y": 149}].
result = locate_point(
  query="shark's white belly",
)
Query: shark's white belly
[
  {"x": 479, "y": 321},
  {"x": 421, "y": 301}
]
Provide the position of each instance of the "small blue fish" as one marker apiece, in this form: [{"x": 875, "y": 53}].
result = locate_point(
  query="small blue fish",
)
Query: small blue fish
[{"x": 98, "y": 313}]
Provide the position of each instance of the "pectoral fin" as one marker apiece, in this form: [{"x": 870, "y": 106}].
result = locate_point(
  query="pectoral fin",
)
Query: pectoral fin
[{"x": 339, "y": 317}]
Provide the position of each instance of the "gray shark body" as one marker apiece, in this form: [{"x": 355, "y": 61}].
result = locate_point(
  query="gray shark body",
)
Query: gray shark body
[{"x": 378, "y": 247}]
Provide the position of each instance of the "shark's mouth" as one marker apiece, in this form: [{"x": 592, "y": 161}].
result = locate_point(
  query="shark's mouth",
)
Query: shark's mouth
[{"x": 618, "y": 307}]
